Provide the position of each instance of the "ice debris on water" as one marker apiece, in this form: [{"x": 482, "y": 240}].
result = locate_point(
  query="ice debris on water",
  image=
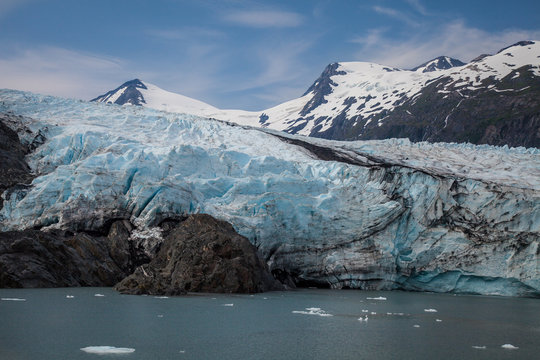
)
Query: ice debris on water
[
  {"x": 416, "y": 326},
  {"x": 69, "y": 296},
  {"x": 99, "y": 295},
  {"x": 228, "y": 305},
  {"x": 430, "y": 310},
  {"x": 376, "y": 298},
  {"x": 438, "y": 320},
  {"x": 161, "y": 297},
  {"x": 13, "y": 299},
  {"x": 363, "y": 319},
  {"x": 479, "y": 347},
  {"x": 312, "y": 311},
  {"x": 509, "y": 347},
  {"x": 104, "y": 350}
]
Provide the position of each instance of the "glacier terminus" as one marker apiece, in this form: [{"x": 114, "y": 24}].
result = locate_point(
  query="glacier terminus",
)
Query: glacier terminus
[{"x": 379, "y": 214}]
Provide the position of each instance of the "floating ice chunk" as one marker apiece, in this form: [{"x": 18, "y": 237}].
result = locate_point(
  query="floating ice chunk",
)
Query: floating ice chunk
[
  {"x": 160, "y": 316},
  {"x": 312, "y": 311},
  {"x": 509, "y": 347},
  {"x": 479, "y": 347},
  {"x": 69, "y": 296},
  {"x": 161, "y": 297},
  {"x": 430, "y": 310},
  {"x": 103, "y": 350},
  {"x": 99, "y": 295},
  {"x": 438, "y": 320},
  {"x": 373, "y": 313},
  {"x": 228, "y": 305},
  {"x": 399, "y": 314},
  {"x": 363, "y": 319},
  {"x": 388, "y": 313},
  {"x": 416, "y": 326},
  {"x": 13, "y": 299},
  {"x": 376, "y": 298},
  {"x": 182, "y": 351},
  {"x": 365, "y": 311},
  {"x": 265, "y": 298}
]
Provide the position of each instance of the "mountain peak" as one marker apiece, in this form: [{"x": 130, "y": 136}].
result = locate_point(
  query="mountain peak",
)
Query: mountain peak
[
  {"x": 519, "y": 43},
  {"x": 439, "y": 63},
  {"x": 127, "y": 93}
]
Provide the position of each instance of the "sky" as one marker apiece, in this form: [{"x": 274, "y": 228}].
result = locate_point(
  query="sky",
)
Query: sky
[{"x": 237, "y": 54}]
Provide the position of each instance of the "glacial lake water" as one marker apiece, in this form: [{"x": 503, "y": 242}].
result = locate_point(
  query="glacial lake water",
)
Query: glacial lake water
[{"x": 47, "y": 324}]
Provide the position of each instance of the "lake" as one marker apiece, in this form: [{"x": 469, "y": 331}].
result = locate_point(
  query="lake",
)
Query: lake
[{"x": 303, "y": 324}]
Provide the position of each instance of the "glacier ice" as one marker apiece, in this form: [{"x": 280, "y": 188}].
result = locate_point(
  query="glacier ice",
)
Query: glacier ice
[{"x": 374, "y": 215}]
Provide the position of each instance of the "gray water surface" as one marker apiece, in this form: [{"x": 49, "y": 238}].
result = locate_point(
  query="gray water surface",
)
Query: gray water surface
[{"x": 48, "y": 325}]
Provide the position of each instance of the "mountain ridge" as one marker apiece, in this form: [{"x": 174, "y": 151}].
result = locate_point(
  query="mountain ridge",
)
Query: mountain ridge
[{"x": 490, "y": 100}]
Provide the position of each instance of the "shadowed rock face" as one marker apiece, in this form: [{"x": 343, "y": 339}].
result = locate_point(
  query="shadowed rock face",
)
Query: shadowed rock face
[
  {"x": 13, "y": 168},
  {"x": 201, "y": 254},
  {"x": 33, "y": 258}
]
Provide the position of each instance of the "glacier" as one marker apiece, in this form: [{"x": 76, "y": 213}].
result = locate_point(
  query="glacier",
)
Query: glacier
[{"x": 387, "y": 214}]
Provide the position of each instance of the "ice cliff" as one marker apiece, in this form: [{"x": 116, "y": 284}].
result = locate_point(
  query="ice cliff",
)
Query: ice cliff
[{"x": 373, "y": 215}]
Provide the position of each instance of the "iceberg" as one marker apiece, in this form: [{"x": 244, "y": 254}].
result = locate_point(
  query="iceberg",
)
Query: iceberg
[
  {"x": 104, "y": 350},
  {"x": 375, "y": 215}
]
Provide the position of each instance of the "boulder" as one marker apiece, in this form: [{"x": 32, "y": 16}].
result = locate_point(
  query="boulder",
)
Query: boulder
[{"x": 202, "y": 254}]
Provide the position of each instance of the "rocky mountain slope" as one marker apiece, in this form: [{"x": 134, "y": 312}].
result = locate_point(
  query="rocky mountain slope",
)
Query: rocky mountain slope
[
  {"x": 370, "y": 214},
  {"x": 491, "y": 100}
]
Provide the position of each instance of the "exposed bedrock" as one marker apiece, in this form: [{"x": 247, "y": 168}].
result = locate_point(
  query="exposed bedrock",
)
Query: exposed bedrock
[
  {"x": 33, "y": 258},
  {"x": 14, "y": 171},
  {"x": 201, "y": 254}
]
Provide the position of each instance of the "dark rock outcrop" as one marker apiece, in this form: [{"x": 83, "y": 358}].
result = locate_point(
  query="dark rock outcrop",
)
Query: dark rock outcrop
[
  {"x": 14, "y": 171},
  {"x": 127, "y": 93},
  {"x": 34, "y": 258},
  {"x": 201, "y": 254}
]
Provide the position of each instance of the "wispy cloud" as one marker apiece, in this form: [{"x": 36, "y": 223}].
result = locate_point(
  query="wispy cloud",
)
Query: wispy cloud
[
  {"x": 417, "y": 5},
  {"x": 58, "y": 71},
  {"x": 264, "y": 18},
  {"x": 371, "y": 38},
  {"x": 454, "y": 39},
  {"x": 185, "y": 33},
  {"x": 7, "y": 6},
  {"x": 396, "y": 14}
]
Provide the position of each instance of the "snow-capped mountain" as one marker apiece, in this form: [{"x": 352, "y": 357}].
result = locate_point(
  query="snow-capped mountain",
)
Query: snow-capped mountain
[
  {"x": 494, "y": 99},
  {"x": 439, "y": 63},
  {"x": 386, "y": 214}
]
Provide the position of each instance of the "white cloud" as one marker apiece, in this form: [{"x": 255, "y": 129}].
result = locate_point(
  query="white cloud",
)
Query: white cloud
[
  {"x": 396, "y": 15},
  {"x": 264, "y": 18},
  {"x": 454, "y": 39},
  {"x": 60, "y": 72}
]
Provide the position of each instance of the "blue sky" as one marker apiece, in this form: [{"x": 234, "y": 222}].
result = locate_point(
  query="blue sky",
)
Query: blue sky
[{"x": 238, "y": 54}]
